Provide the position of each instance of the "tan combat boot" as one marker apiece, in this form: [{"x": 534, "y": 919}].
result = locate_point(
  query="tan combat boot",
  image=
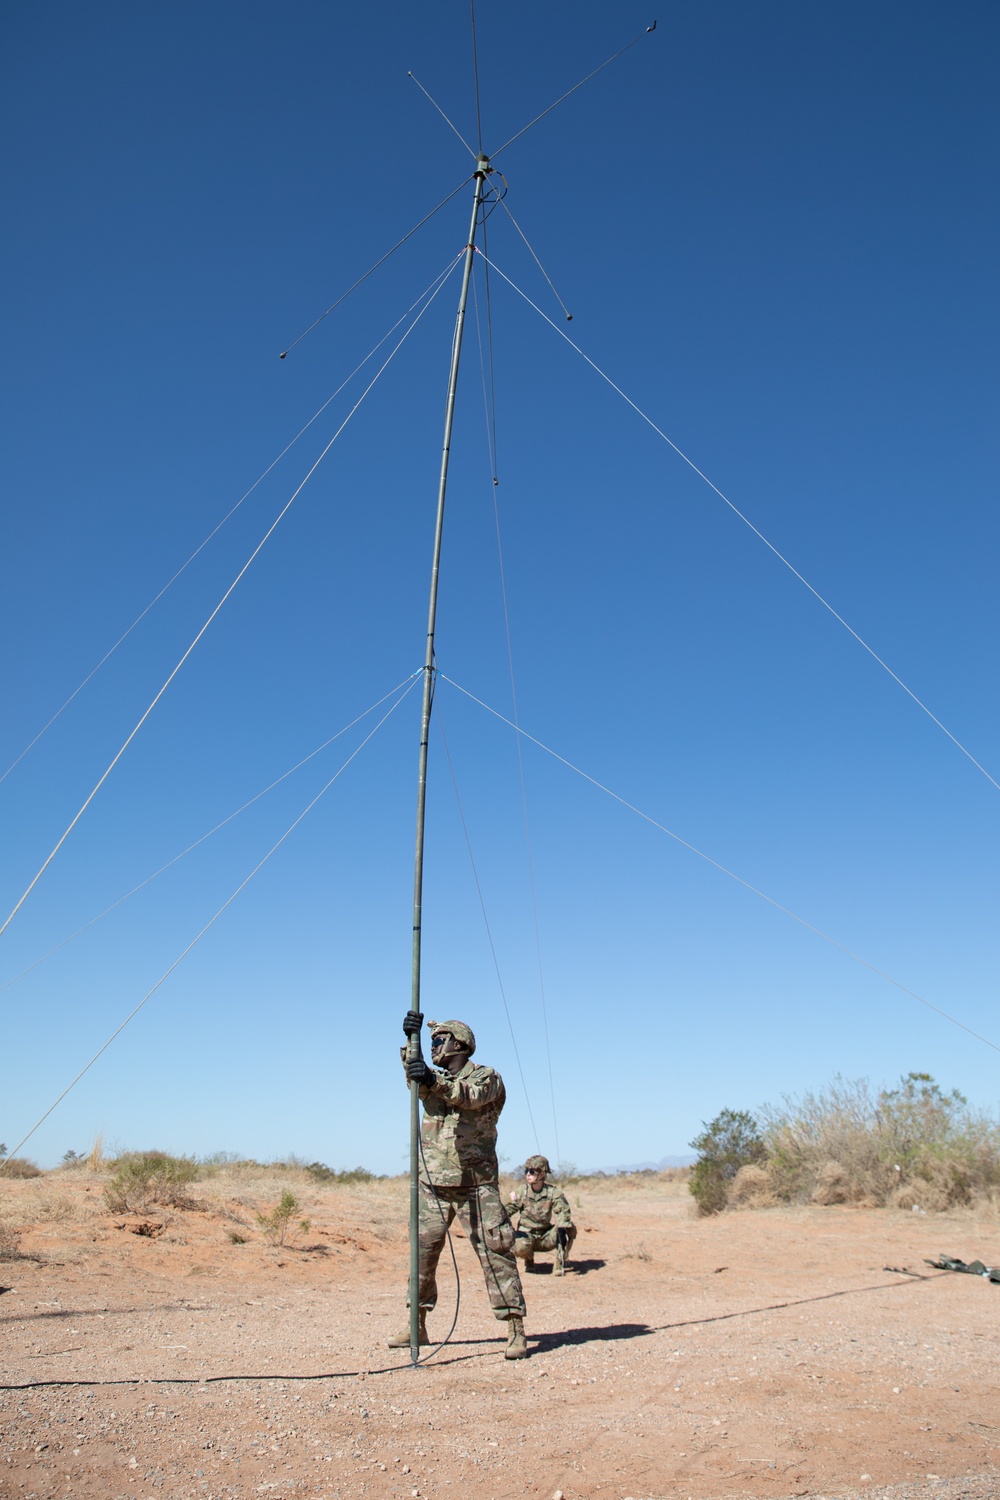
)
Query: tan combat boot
[
  {"x": 401, "y": 1340},
  {"x": 516, "y": 1345}
]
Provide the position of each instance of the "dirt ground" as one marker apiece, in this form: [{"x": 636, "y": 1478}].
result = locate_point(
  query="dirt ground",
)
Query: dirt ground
[{"x": 765, "y": 1353}]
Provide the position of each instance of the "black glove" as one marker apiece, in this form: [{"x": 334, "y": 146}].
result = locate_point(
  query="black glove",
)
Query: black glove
[
  {"x": 562, "y": 1238},
  {"x": 418, "y": 1071},
  {"x": 412, "y": 1023}
]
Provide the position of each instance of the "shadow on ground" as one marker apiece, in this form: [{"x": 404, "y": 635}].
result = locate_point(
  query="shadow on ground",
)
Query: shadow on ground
[{"x": 544, "y": 1343}]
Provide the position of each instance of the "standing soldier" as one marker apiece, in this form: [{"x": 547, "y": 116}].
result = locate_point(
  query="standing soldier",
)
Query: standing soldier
[
  {"x": 544, "y": 1221},
  {"x": 458, "y": 1150}
]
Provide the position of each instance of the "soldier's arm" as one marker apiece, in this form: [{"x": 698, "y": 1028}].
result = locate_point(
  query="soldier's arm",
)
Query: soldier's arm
[
  {"x": 481, "y": 1088},
  {"x": 561, "y": 1216}
]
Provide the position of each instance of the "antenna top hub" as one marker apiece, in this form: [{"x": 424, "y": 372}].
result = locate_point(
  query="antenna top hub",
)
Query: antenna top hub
[{"x": 482, "y": 165}]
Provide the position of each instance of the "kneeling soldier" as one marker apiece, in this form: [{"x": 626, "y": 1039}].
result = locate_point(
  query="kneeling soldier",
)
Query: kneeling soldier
[{"x": 544, "y": 1221}]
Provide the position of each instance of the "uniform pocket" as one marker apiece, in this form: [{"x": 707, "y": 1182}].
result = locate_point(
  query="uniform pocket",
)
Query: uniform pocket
[{"x": 499, "y": 1236}]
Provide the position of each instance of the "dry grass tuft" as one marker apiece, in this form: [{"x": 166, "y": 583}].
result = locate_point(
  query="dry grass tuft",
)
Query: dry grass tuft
[
  {"x": 751, "y": 1188},
  {"x": 94, "y": 1160}
]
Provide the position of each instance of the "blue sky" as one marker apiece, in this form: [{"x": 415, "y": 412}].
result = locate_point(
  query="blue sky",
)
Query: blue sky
[{"x": 776, "y": 228}]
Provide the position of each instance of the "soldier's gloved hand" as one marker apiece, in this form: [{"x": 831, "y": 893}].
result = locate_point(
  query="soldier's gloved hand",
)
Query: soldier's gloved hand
[
  {"x": 412, "y": 1023},
  {"x": 418, "y": 1071}
]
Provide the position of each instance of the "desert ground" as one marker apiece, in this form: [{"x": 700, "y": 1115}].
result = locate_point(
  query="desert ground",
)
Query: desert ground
[{"x": 178, "y": 1353}]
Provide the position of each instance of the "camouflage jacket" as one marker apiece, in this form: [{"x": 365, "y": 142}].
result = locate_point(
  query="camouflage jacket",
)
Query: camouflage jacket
[
  {"x": 459, "y": 1128},
  {"x": 541, "y": 1210}
]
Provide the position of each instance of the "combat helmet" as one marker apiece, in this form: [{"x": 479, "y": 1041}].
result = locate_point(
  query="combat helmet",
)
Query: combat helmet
[
  {"x": 458, "y": 1030},
  {"x": 538, "y": 1163}
]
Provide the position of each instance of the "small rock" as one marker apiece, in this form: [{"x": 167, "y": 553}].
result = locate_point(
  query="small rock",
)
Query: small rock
[
  {"x": 405, "y": 1469},
  {"x": 866, "y": 1479},
  {"x": 557, "y": 1495}
]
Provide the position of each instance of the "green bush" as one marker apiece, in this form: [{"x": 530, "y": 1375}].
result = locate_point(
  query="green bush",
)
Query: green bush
[
  {"x": 731, "y": 1141},
  {"x": 141, "y": 1179},
  {"x": 276, "y": 1224}
]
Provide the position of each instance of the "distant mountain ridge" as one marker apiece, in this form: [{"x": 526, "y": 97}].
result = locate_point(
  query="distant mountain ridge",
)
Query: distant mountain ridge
[{"x": 643, "y": 1166}]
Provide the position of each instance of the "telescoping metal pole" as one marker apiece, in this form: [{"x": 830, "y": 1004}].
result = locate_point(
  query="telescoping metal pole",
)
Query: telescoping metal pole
[{"x": 413, "y": 1047}]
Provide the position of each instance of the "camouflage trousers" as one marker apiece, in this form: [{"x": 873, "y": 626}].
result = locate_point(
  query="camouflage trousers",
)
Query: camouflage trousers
[
  {"x": 527, "y": 1241},
  {"x": 491, "y": 1235}
]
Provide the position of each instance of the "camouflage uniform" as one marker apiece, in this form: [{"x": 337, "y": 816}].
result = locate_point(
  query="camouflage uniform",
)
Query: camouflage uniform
[
  {"x": 539, "y": 1215},
  {"x": 458, "y": 1139}
]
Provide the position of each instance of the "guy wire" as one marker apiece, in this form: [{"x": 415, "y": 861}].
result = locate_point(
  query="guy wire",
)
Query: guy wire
[
  {"x": 229, "y": 514},
  {"x": 486, "y": 921},
  {"x": 285, "y": 352},
  {"x": 260, "y": 545},
  {"x": 177, "y": 857},
  {"x": 489, "y": 401},
  {"x": 755, "y": 529},
  {"x": 693, "y": 849},
  {"x": 212, "y": 921}
]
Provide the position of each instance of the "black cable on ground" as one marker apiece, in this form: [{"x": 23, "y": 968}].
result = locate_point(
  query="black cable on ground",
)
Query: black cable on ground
[{"x": 746, "y": 1312}]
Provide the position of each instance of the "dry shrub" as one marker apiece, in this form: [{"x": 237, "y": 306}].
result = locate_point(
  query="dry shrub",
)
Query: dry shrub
[
  {"x": 19, "y": 1167},
  {"x": 833, "y": 1184},
  {"x": 751, "y": 1188},
  {"x": 904, "y": 1147},
  {"x": 142, "y": 1178}
]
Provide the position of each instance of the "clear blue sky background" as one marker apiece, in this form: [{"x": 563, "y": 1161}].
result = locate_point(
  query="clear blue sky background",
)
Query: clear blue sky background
[{"x": 776, "y": 227}]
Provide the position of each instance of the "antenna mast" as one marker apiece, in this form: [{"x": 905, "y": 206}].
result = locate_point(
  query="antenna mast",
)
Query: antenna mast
[{"x": 482, "y": 171}]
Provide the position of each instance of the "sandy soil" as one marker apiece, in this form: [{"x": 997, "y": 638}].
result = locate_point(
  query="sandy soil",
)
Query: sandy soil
[{"x": 765, "y": 1353}]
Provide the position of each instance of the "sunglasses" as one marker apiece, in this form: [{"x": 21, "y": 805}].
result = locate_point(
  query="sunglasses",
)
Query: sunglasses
[{"x": 534, "y": 1172}]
